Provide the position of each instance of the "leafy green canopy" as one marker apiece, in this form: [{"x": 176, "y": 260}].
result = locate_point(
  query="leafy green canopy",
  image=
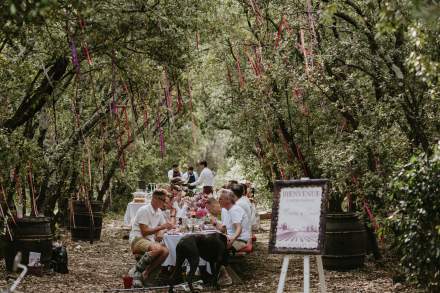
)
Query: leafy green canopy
[
  {"x": 87, "y": 84},
  {"x": 415, "y": 222}
]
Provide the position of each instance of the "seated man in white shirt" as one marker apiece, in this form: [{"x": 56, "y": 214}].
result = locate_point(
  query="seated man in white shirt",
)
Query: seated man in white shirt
[
  {"x": 243, "y": 201},
  {"x": 206, "y": 179},
  {"x": 236, "y": 222},
  {"x": 147, "y": 230}
]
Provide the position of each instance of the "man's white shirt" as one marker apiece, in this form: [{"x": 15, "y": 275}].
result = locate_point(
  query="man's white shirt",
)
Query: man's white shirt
[
  {"x": 206, "y": 178},
  {"x": 246, "y": 205},
  {"x": 171, "y": 174},
  {"x": 146, "y": 215},
  {"x": 185, "y": 176},
  {"x": 236, "y": 215}
]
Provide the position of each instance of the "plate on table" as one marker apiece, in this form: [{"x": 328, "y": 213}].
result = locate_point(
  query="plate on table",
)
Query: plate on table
[
  {"x": 174, "y": 233},
  {"x": 209, "y": 231}
]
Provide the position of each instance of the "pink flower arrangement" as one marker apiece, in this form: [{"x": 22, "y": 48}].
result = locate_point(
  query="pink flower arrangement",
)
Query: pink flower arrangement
[{"x": 201, "y": 212}]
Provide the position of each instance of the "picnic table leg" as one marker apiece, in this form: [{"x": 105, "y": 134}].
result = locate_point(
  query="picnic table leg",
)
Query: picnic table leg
[
  {"x": 234, "y": 276},
  {"x": 283, "y": 274}
]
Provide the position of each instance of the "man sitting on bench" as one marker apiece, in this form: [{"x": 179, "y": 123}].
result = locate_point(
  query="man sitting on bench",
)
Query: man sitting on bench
[
  {"x": 147, "y": 230},
  {"x": 236, "y": 222}
]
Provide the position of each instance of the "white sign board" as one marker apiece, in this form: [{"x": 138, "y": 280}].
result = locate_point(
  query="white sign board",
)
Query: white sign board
[{"x": 298, "y": 218}]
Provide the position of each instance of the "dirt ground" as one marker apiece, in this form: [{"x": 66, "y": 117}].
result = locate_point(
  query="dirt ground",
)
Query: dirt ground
[{"x": 99, "y": 266}]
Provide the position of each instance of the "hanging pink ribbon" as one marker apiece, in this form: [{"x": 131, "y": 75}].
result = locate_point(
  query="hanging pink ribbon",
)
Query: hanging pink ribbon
[
  {"x": 259, "y": 59},
  {"x": 282, "y": 25},
  {"x": 239, "y": 73},
  {"x": 167, "y": 90},
  {"x": 311, "y": 20},
  {"x": 252, "y": 63},
  {"x": 197, "y": 40},
  {"x": 179, "y": 100},
  {"x": 193, "y": 123},
  {"x": 145, "y": 119},
  {"x": 87, "y": 54},
  {"x": 162, "y": 142},
  {"x": 228, "y": 74},
  {"x": 113, "y": 107},
  {"x": 257, "y": 11},
  {"x": 304, "y": 51}
]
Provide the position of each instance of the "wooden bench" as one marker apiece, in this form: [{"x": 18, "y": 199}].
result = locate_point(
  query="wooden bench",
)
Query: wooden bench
[{"x": 236, "y": 259}]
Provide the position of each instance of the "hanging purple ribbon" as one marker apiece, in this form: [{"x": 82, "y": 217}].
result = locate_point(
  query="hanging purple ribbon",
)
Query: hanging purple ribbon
[
  {"x": 162, "y": 142},
  {"x": 161, "y": 136},
  {"x": 113, "y": 107},
  {"x": 75, "y": 59}
]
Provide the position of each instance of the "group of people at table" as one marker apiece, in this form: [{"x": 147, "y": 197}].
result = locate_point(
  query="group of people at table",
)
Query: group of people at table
[{"x": 229, "y": 210}]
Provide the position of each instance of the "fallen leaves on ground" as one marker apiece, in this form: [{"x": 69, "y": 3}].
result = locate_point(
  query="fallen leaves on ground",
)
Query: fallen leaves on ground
[{"x": 101, "y": 265}]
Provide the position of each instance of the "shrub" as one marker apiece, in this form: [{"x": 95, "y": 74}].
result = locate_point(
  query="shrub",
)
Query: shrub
[{"x": 415, "y": 224}]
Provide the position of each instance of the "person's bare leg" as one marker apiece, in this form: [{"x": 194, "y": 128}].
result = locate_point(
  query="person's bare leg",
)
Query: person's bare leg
[{"x": 160, "y": 254}]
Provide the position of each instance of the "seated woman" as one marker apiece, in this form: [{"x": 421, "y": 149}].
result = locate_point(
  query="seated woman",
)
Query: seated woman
[
  {"x": 179, "y": 204},
  {"x": 169, "y": 211},
  {"x": 216, "y": 214}
]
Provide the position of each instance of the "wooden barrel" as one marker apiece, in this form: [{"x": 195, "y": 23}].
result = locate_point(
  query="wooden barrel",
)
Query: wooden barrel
[
  {"x": 86, "y": 220},
  {"x": 345, "y": 242},
  {"x": 30, "y": 234}
]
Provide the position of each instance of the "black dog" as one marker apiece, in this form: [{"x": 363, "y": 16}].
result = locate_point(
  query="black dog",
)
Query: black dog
[
  {"x": 211, "y": 247},
  {"x": 59, "y": 259}
]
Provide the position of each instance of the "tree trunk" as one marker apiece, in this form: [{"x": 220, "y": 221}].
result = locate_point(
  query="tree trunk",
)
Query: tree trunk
[{"x": 33, "y": 103}]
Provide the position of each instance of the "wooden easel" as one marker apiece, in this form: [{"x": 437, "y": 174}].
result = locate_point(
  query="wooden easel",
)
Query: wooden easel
[{"x": 306, "y": 283}]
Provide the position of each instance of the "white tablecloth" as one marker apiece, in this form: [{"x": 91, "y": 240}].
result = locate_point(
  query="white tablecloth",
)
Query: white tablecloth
[
  {"x": 171, "y": 243},
  {"x": 131, "y": 211}
]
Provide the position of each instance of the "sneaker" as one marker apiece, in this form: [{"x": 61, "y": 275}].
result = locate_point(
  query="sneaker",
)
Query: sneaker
[
  {"x": 137, "y": 280},
  {"x": 145, "y": 260}
]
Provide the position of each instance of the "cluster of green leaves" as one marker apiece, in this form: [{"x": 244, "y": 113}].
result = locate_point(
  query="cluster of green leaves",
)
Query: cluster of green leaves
[
  {"x": 415, "y": 220},
  {"x": 60, "y": 116}
]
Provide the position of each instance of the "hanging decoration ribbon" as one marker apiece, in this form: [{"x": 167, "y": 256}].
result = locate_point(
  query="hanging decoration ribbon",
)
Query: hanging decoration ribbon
[
  {"x": 34, "y": 209},
  {"x": 298, "y": 98},
  {"x": 85, "y": 47},
  {"x": 161, "y": 135},
  {"x": 74, "y": 53},
  {"x": 18, "y": 187},
  {"x": 167, "y": 91},
  {"x": 3, "y": 214},
  {"x": 304, "y": 51},
  {"x": 145, "y": 119},
  {"x": 252, "y": 63},
  {"x": 228, "y": 75},
  {"x": 257, "y": 11},
  {"x": 239, "y": 73},
  {"x": 311, "y": 19},
  {"x": 259, "y": 58},
  {"x": 283, "y": 25},
  {"x": 193, "y": 123},
  {"x": 197, "y": 40},
  {"x": 179, "y": 100}
]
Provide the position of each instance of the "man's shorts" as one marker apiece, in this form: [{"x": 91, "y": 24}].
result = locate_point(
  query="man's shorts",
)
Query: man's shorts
[
  {"x": 238, "y": 244},
  {"x": 140, "y": 245}
]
